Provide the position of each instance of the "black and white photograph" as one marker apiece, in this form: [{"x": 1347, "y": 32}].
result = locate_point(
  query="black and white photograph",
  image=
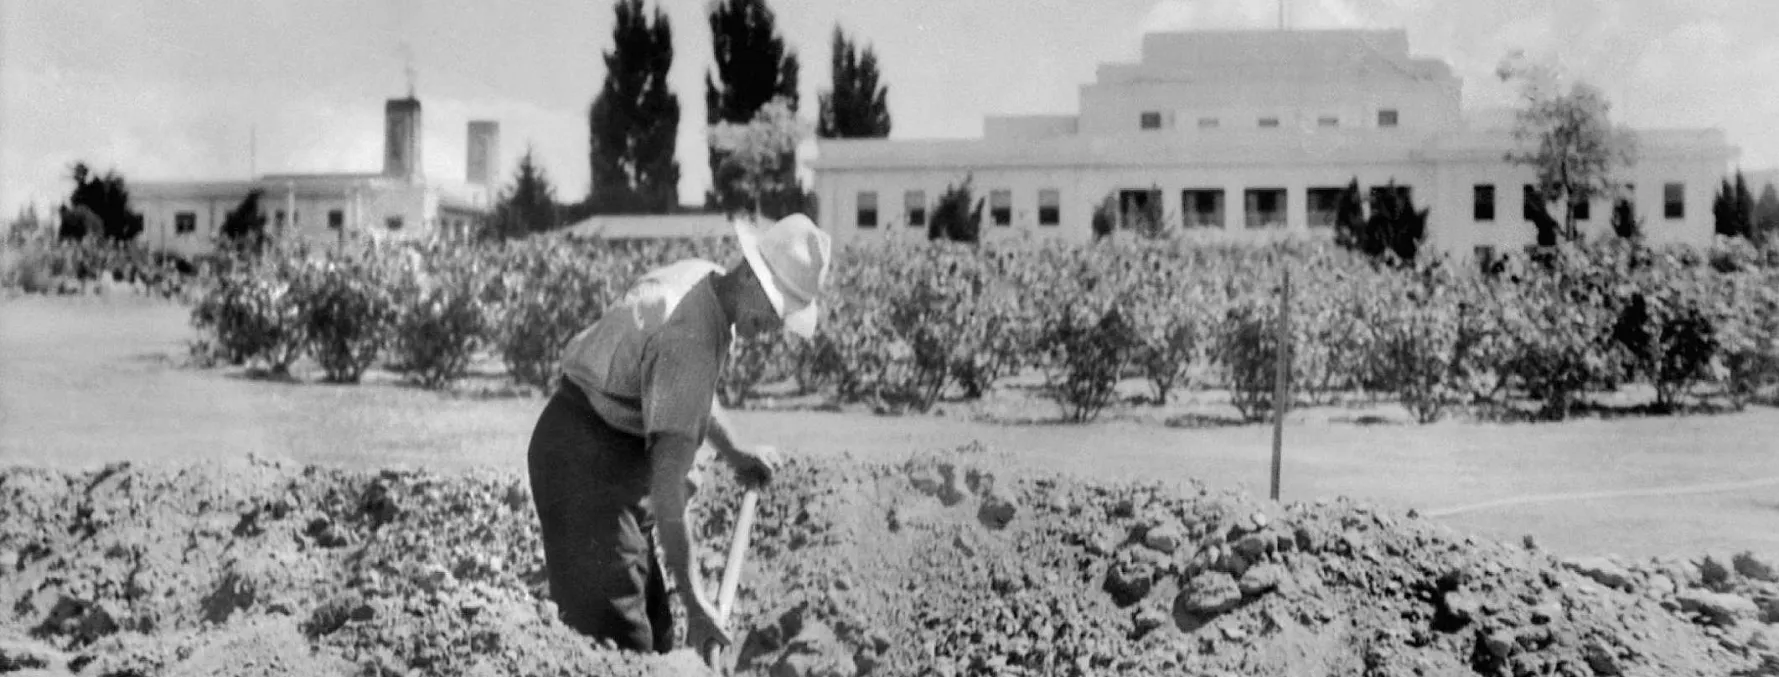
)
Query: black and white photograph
[{"x": 866, "y": 338}]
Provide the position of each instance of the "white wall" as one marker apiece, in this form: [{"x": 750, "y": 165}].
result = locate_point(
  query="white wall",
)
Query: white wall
[
  {"x": 1444, "y": 188},
  {"x": 365, "y": 208}
]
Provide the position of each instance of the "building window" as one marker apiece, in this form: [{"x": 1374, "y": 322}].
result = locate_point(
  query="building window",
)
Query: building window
[
  {"x": 393, "y": 223},
  {"x": 1324, "y": 206},
  {"x": 1049, "y": 207},
  {"x": 1673, "y": 201},
  {"x": 914, "y": 203},
  {"x": 1583, "y": 210},
  {"x": 867, "y": 216},
  {"x": 1482, "y": 202},
  {"x": 1485, "y": 258},
  {"x": 1386, "y": 117},
  {"x": 1269, "y": 122},
  {"x": 1207, "y": 123},
  {"x": 1266, "y": 207},
  {"x": 1133, "y": 207},
  {"x": 1204, "y": 208},
  {"x": 336, "y": 219},
  {"x": 185, "y": 222},
  {"x": 1328, "y": 121},
  {"x": 1151, "y": 120},
  {"x": 1000, "y": 207},
  {"x": 278, "y": 219}
]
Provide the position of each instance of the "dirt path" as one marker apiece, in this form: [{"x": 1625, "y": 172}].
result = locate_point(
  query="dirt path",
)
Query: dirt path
[
  {"x": 86, "y": 381},
  {"x": 1653, "y": 492}
]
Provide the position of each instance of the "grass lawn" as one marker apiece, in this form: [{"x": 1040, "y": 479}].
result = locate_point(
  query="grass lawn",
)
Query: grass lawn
[{"x": 89, "y": 380}]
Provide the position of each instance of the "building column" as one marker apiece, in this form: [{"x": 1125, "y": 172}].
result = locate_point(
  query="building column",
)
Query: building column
[
  {"x": 1297, "y": 211},
  {"x": 1235, "y": 205},
  {"x": 289, "y": 209}
]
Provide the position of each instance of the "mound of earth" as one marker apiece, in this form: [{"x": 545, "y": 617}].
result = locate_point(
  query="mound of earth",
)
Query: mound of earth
[{"x": 940, "y": 565}]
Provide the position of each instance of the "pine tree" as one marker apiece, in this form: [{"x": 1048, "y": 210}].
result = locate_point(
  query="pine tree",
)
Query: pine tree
[
  {"x": 1625, "y": 222},
  {"x": 857, "y": 104},
  {"x": 1724, "y": 223},
  {"x": 753, "y": 67},
  {"x": 528, "y": 205},
  {"x": 953, "y": 217},
  {"x": 1744, "y": 207},
  {"x": 25, "y": 227},
  {"x": 244, "y": 227},
  {"x": 1395, "y": 227},
  {"x": 634, "y": 121},
  {"x": 108, "y": 198},
  {"x": 1733, "y": 208},
  {"x": 1766, "y": 215},
  {"x": 1349, "y": 217}
]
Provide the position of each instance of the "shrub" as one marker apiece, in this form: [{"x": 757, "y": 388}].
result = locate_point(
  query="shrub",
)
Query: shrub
[
  {"x": 1247, "y": 347},
  {"x": 439, "y": 323},
  {"x": 1086, "y": 347},
  {"x": 752, "y": 363},
  {"x": 1428, "y": 344},
  {"x": 1556, "y": 324},
  {"x": 347, "y": 311},
  {"x": 1171, "y": 322},
  {"x": 255, "y": 315},
  {"x": 544, "y": 297},
  {"x": 1748, "y": 335}
]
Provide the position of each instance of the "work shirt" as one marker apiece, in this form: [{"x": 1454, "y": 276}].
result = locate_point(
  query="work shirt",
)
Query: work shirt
[{"x": 650, "y": 364}]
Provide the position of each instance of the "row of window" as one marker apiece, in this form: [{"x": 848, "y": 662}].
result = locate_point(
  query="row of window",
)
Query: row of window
[
  {"x": 187, "y": 222},
  {"x": 1483, "y": 202},
  {"x": 1387, "y": 117},
  {"x": 1262, "y": 207},
  {"x": 1000, "y": 208}
]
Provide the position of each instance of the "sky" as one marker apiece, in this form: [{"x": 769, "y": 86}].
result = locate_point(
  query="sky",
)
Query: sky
[{"x": 213, "y": 89}]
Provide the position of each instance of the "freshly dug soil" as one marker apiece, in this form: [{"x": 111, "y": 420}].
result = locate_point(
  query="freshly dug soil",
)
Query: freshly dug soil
[{"x": 938, "y": 566}]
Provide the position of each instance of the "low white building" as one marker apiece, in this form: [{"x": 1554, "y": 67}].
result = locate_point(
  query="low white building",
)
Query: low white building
[
  {"x": 1252, "y": 134},
  {"x": 398, "y": 203}
]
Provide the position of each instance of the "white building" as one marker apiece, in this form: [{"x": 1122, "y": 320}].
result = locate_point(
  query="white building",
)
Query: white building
[
  {"x": 1252, "y": 134},
  {"x": 397, "y": 203}
]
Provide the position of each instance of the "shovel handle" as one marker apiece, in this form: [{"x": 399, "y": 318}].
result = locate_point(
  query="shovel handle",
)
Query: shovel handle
[{"x": 744, "y": 526}]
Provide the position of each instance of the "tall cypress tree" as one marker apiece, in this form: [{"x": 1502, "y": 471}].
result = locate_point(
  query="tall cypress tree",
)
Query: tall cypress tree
[
  {"x": 635, "y": 118},
  {"x": 1744, "y": 207},
  {"x": 753, "y": 65},
  {"x": 857, "y": 105},
  {"x": 1349, "y": 217},
  {"x": 1733, "y": 208}
]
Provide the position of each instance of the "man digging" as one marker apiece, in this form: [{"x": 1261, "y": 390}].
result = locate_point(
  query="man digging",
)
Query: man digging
[{"x": 612, "y": 452}]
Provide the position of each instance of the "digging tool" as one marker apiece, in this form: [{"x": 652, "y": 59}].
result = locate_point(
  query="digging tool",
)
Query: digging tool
[{"x": 713, "y": 652}]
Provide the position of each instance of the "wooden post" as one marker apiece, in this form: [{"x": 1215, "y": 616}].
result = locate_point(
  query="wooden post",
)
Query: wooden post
[{"x": 1281, "y": 399}]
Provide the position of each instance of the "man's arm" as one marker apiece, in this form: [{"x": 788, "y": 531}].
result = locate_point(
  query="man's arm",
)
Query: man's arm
[
  {"x": 720, "y": 434},
  {"x": 755, "y": 466},
  {"x": 671, "y": 458},
  {"x": 677, "y": 385}
]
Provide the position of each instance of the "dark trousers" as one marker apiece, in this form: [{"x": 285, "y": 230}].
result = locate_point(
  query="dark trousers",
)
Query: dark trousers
[{"x": 590, "y": 483}]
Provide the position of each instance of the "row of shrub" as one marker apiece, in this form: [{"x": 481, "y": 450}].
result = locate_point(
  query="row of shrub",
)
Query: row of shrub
[
  {"x": 42, "y": 266},
  {"x": 910, "y": 323}
]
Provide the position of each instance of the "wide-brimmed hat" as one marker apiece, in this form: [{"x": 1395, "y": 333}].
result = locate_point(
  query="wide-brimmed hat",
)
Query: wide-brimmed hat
[{"x": 790, "y": 257}]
